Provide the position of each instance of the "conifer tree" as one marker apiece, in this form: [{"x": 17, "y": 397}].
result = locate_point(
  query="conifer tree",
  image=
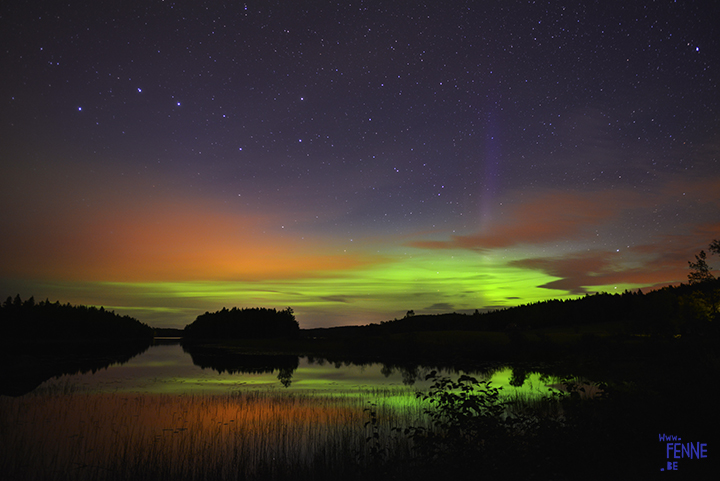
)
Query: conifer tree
[{"x": 699, "y": 270}]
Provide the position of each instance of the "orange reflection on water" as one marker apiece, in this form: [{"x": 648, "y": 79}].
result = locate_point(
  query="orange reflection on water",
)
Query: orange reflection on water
[{"x": 178, "y": 437}]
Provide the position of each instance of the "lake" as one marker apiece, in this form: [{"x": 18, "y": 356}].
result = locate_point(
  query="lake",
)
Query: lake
[
  {"x": 175, "y": 413},
  {"x": 168, "y": 369}
]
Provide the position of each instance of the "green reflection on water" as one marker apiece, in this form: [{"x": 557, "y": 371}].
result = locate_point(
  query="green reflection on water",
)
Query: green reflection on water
[{"x": 167, "y": 369}]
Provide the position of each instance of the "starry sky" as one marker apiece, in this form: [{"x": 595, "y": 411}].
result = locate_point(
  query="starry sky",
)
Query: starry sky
[{"x": 354, "y": 160}]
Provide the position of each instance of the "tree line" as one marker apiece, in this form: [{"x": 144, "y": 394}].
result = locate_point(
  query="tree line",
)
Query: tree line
[
  {"x": 246, "y": 323},
  {"x": 671, "y": 310},
  {"x": 684, "y": 309},
  {"x": 51, "y": 320},
  {"x": 691, "y": 308}
]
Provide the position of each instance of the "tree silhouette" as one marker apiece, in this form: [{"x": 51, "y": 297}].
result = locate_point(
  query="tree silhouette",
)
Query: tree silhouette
[
  {"x": 699, "y": 270},
  {"x": 715, "y": 247},
  {"x": 701, "y": 275}
]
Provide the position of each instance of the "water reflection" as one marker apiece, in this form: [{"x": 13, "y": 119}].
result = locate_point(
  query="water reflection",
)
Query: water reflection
[
  {"x": 230, "y": 362},
  {"x": 170, "y": 368},
  {"x": 26, "y": 366}
]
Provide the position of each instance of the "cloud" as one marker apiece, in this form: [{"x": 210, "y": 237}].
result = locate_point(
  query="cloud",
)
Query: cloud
[
  {"x": 440, "y": 307},
  {"x": 541, "y": 218},
  {"x": 340, "y": 299},
  {"x": 575, "y": 272},
  {"x": 552, "y": 216},
  {"x": 610, "y": 237},
  {"x": 645, "y": 266}
]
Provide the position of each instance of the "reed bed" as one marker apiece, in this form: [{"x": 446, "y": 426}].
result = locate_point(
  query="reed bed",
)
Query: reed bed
[{"x": 246, "y": 435}]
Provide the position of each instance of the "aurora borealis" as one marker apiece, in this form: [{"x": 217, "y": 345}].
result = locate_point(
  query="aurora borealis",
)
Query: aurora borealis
[{"x": 353, "y": 160}]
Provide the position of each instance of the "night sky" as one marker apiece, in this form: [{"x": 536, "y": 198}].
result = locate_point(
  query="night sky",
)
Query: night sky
[{"x": 354, "y": 160}]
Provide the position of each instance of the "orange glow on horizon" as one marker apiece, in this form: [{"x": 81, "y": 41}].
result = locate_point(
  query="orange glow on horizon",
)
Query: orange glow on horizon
[{"x": 168, "y": 241}]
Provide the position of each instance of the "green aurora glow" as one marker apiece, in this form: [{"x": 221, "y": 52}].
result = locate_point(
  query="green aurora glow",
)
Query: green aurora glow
[{"x": 424, "y": 282}]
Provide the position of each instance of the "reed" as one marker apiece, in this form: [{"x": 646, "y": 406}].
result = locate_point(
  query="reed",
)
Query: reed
[
  {"x": 63, "y": 432},
  {"x": 72, "y": 435}
]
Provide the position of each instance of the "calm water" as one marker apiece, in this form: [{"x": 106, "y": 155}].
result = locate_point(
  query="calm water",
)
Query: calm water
[
  {"x": 169, "y": 369},
  {"x": 202, "y": 414}
]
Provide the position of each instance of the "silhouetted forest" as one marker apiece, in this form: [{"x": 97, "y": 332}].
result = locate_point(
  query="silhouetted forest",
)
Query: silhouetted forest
[
  {"x": 683, "y": 309},
  {"x": 251, "y": 323},
  {"x": 168, "y": 332},
  {"x": 631, "y": 325},
  {"x": 54, "y": 321}
]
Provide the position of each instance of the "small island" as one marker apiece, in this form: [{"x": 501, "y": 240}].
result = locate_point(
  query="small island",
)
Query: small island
[{"x": 249, "y": 323}]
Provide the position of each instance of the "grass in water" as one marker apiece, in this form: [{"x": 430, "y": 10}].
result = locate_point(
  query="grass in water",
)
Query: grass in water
[
  {"x": 69, "y": 434},
  {"x": 246, "y": 435}
]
